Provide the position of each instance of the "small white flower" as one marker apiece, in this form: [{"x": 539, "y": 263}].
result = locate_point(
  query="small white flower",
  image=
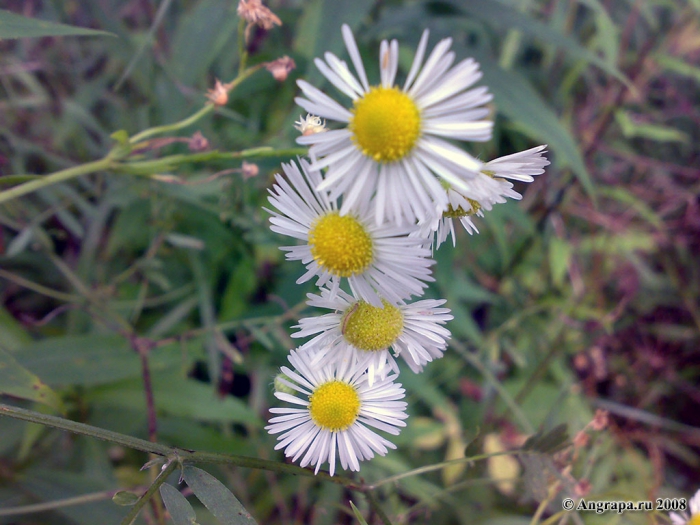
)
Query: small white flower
[
  {"x": 356, "y": 329},
  {"x": 378, "y": 260},
  {"x": 393, "y": 145},
  {"x": 337, "y": 407},
  {"x": 519, "y": 166},
  {"x": 692, "y": 517},
  {"x": 310, "y": 125}
]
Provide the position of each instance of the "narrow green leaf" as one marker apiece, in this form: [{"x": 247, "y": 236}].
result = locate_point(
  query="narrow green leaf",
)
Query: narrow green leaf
[
  {"x": 17, "y": 381},
  {"x": 548, "y": 442},
  {"x": 358, "y": 514},
  {"x": 13, "y": 25},
  {"x": 519, "y": 101},
  {"x": 503, "y": 15},
  {"x": 216, "y": 497},
  {"x": 13, "y": 333},
  {"x": 656, "y": 132},
  {"x": 559, "y": 257},
  {"x": 124, "y": 498},
  {"x": 88, "y": 359},
  {"x": 179, "y": 508}
]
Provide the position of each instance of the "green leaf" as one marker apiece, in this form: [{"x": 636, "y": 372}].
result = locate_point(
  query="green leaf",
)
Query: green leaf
[
  {"x": 503, "y": 15},
  {"x": 89, "y": 359},
  {"x": 124, "y": 498},
  {"x": 13, "y": 333},
  {"x": 519, "y": 101},
  {"x": 216, "y": 497},
  {"x": 656, "y": 132},
  {"x": 559, "y": 257},
  {"x": 179, "y": 396},
  {"x": 13, "y": 25},
  {"x": 357, "y": 514},
  {"x": 548, "y": 442},
  {"x": 17, "y": 381},
  {"x": 676, "y": 65},
  {"x": 179, "y": 508}
]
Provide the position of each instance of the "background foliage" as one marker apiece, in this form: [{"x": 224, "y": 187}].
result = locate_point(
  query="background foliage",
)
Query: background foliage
[{"x": 584, "y": 296}]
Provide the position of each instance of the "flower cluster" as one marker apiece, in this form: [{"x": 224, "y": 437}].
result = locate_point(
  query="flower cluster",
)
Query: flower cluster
[{"x": 375, "y": 197}]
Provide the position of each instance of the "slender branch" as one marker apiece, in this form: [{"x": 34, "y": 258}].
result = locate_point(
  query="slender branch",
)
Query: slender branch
[
  {"x": 60, "y": 503},
  {"x": 208, "y": 108},
  {"x": 158, "y": 449},
  {"x": 85, "y": 430},
  {"x": 38, "y": 288},
  {"x": 54, "y": 178},
  {"x": 438, "y": 466},
  {"x": 374, "y": 503},
  {"x": 146, "y": 496}
]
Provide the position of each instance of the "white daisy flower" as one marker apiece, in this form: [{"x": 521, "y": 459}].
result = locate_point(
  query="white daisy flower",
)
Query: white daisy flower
[
  {"x": 356, "y": 328},
  {"x": 394, "y": 143},
  {"x": 337, "y": 407},
  {"x": 378, "y": 260},
  {"x": 519, "y": 166},
  {"x": 688, "y": 518}
]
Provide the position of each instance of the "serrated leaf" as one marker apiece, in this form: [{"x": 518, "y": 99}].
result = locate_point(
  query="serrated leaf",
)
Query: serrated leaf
[
  {"x": 357, "y": 514},
  {"x": 548, "y": 442},
  {"x": 216, "y": 497},
  {"x": 124, "y": 498},
  {"x": 17, "y": 381},
  {"x": 179, "y": 508},
  {"x": 13, "y": 25}
]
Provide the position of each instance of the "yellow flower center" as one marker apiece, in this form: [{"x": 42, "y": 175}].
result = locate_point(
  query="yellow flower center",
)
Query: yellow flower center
[
  {"x": 341, "y": 245},
  {"x": 385, "y": 124},
  {"x": 371, "y": 328},
  {"x": 334, "y": 405},
  {"x": 456, "y": 213},
  {"x": 694, "y": 519}
]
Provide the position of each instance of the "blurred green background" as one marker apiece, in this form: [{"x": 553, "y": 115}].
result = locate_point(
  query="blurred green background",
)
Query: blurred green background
[{"x": 583, "y": 296}]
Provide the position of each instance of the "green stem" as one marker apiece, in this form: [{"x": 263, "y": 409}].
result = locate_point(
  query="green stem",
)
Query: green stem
[
  {"x": 38, "y": 288},
  {"x": 54, "y": 178},
  {"x": 158, "y": 449},
  {"x": 374, "y": 503},
  {"x": 58, "y": 504},
  {"x": 208, "y": 108},
  {"x": 148, "y": 167},
  {"x": 146, "y": 496},
  {"x": 438, "y": 466},
  {"x": 85, "y": 430}
]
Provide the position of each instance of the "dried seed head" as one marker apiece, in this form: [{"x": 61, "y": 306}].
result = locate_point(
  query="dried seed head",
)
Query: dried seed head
[
  {"x": 219, "y": 95},
  {"x": 198, "y": 142},
  {"x": 600, "y": 420},
  {"x": 253, "y": 12},
  {"x": 280, "y": 68},
  {"x": 249, "y": 170}
]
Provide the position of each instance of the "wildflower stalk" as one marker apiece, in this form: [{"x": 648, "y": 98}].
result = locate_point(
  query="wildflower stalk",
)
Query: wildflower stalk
[{"x": 114, "y": 160}]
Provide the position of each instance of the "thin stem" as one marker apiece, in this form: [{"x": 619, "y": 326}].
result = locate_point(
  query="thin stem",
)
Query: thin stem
[
  {"x": 43, "y": 290},
  {"x": 438, "y": 466},
  {"x": 158, "y": 449},
  {"x": 58, "y": 504},
  {"x": 85, "y": 430},
  {"x": 374, "y": 503},
  {"x": 55, "y": 178},
  {"x": 208, "y": 108},
  {"x": 146, "y": 496}
]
